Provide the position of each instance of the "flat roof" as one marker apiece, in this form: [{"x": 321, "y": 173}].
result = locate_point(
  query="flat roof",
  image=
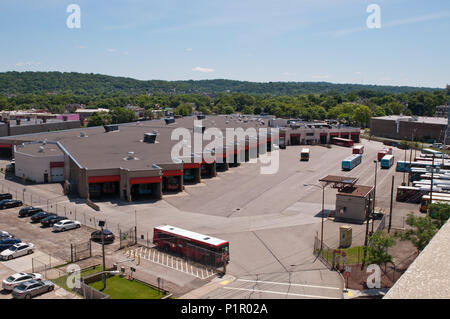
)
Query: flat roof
[
  {"x": 98, "y": 149},
  {"x": 339, "y": 179},
  {"x": 195, "y": 236},
  {"x": 34, "y": 149},
  {"x": 355, "y": 191},
  {"x": 412, "y": 119}
]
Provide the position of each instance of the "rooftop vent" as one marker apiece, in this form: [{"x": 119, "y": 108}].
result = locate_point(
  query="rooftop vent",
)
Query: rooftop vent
[
  {"x": 130, "y": 156},
  {"x": 82, "y": 134},
  {"x": 111, "y": 128},
  {"x": 41, "y": 149},
  {"x": 199, "y": 129},
  {"x": 169, "y": 120},
  {"x": 150, "y": 137}
]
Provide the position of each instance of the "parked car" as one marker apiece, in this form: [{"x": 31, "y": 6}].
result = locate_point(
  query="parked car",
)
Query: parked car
[
  {"x": 5, "y": 196},
  {"x": 8, "y": 242},
  {"x": 66, "y": 225},
  {"x": 32, "y": 288},
  {"x": 9, "y": 203},
  {"x": 17, "y": 279},
  {"x": 29, "y": 211},
  {"x": 5, "y": 234},
  {"x": 36, "y": 218},
  {"x": 17, "y": 250},
  {"x": 52, "y": 220},
  {"x": 108, "y": 236}
]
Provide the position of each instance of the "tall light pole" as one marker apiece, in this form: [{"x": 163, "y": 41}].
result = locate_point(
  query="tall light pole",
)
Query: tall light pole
[
  {"x": 323, "y": 210},
  {"x": 374, "y": 192},
  {"x": 101, "y": 223}
]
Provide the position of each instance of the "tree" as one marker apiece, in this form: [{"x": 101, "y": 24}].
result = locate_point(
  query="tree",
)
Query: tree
[
  {"x": 378, "y": 246},
  {"x": 362, "y": 115},
  {"x": 423, "y": 231},
  {"x": 441, "y": 213},
  {"x": 122, "y": 115},
  {"x": 99, "y": 118}
]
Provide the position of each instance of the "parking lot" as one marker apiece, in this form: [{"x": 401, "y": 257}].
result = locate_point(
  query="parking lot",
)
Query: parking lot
[{"x": 270, "y": 220}]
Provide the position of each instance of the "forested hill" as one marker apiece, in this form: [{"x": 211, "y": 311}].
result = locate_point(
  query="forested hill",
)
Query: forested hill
[{"x": 80, "y": 83}]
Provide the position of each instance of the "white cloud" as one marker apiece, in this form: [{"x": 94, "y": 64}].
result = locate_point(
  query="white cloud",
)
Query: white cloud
[
  {"x": 321, "y": 77},
  {"x": 189, "y": 49},
  {"x": 111, "y": 50},
  {"x": 29, "y": 63},
  {"x": 358, "y": 73},
  {"x": 204, "y": 70},
  {"x": 80, "y": 47}
]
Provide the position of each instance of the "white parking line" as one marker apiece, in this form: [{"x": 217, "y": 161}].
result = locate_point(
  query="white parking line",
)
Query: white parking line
[
  {"x": 280, "y": 293},
  {"x": 287, "y": 284}
]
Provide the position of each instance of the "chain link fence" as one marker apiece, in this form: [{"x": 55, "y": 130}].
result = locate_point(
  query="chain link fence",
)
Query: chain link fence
[
  {"x": 80, "y": 251},
  {"x": 127, "y": 238}
]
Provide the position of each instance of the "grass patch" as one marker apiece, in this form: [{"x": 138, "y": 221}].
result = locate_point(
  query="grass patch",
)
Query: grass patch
[
  {"x": 62, "y": 281},
  {"x": 121, "y": 288},
  {"x": 354, "y": 255}
]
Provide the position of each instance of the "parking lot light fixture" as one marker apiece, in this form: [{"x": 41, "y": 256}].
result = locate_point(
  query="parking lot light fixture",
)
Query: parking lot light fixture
[
  {"x": 101, "y": 223},
  {"x": 323, "y": 210}
]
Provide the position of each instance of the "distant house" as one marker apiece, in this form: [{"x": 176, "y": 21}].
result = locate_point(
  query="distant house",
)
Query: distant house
[{"x": 139, "y": 111}]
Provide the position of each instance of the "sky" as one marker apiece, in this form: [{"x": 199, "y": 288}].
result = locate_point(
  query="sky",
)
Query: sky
[{"x": 249, "y": 40}]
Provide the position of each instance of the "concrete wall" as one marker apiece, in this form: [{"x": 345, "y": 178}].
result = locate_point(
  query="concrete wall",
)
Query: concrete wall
[
  {"x": 37, "y": 128},
  {"x": 33, "y": 168},
  {"x": 388, "y": 129}
]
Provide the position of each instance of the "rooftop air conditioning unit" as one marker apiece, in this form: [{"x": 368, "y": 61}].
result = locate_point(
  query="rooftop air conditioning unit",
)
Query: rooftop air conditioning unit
[
  {"x": 41, "y": 149},
  {"x": 150, "y": 137},
  {"x": 111, "y": 128},
  {"x": 130, "y": 156},
  {"x": 200, "y": 117}
]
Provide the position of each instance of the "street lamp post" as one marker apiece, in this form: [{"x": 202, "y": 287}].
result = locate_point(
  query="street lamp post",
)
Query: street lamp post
[
  {"x": 323, "y": 211},
  {"x": 101, "y": 223},
  {"x": 374, "y": 192}
]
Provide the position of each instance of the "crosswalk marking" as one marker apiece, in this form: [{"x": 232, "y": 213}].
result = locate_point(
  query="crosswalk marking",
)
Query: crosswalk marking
[
  {"x": 172, "y": 262},
  {"x": 287, "y": 284},
  {"x": 280, "y": 293}
]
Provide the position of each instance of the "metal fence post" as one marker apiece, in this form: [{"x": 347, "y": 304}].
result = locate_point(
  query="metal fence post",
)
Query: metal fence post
[{"x": 71, "y": 253}]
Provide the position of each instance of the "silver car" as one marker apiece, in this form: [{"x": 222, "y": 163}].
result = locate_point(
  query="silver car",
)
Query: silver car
[
  {"x": 32, "y": 288},
  {"x": 17, "y": 279}
]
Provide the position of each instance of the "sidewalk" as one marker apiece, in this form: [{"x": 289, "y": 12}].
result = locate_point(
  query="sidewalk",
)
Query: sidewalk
[{"x": 211, "y": 286}]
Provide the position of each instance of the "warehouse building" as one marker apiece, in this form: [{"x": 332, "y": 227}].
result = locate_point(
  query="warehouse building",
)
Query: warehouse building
[
  {"x": 427, "y": 129},
  {"x": 134, "y": 161},
  {"x": 130, "y": 161}
]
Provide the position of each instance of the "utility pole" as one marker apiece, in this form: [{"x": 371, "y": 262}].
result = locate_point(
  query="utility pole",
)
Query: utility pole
[
  {"x": 101, "y": 223},
  {"x": 374, "y": 193},
  {"x": 323, "y": 212},
  {"x": 404, "y": 170},
  {"x": 390, "y": 210},
  {"x": 369, "y": 207}
]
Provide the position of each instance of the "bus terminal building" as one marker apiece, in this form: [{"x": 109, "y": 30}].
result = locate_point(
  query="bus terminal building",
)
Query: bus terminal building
[{"x": 134, "y": 161}]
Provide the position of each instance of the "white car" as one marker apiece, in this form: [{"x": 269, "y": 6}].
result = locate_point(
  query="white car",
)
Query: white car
[
  {"x": 17, "y": 250},
  {"x": 5, "y": 234},
  {"x": 66, "y": 224},
  {"x": 14, "y": 280}
]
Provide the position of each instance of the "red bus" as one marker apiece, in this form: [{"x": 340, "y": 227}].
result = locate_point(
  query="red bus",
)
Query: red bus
[
  {"x": 359, "y": 149},
  {"x": 194, "y": 246},
  {"x": 343, "y": 142},
  {"x": 383, "y": 152}
]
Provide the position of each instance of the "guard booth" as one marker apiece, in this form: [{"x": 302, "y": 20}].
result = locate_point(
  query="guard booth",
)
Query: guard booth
[{"x": 345, "y": 236}]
